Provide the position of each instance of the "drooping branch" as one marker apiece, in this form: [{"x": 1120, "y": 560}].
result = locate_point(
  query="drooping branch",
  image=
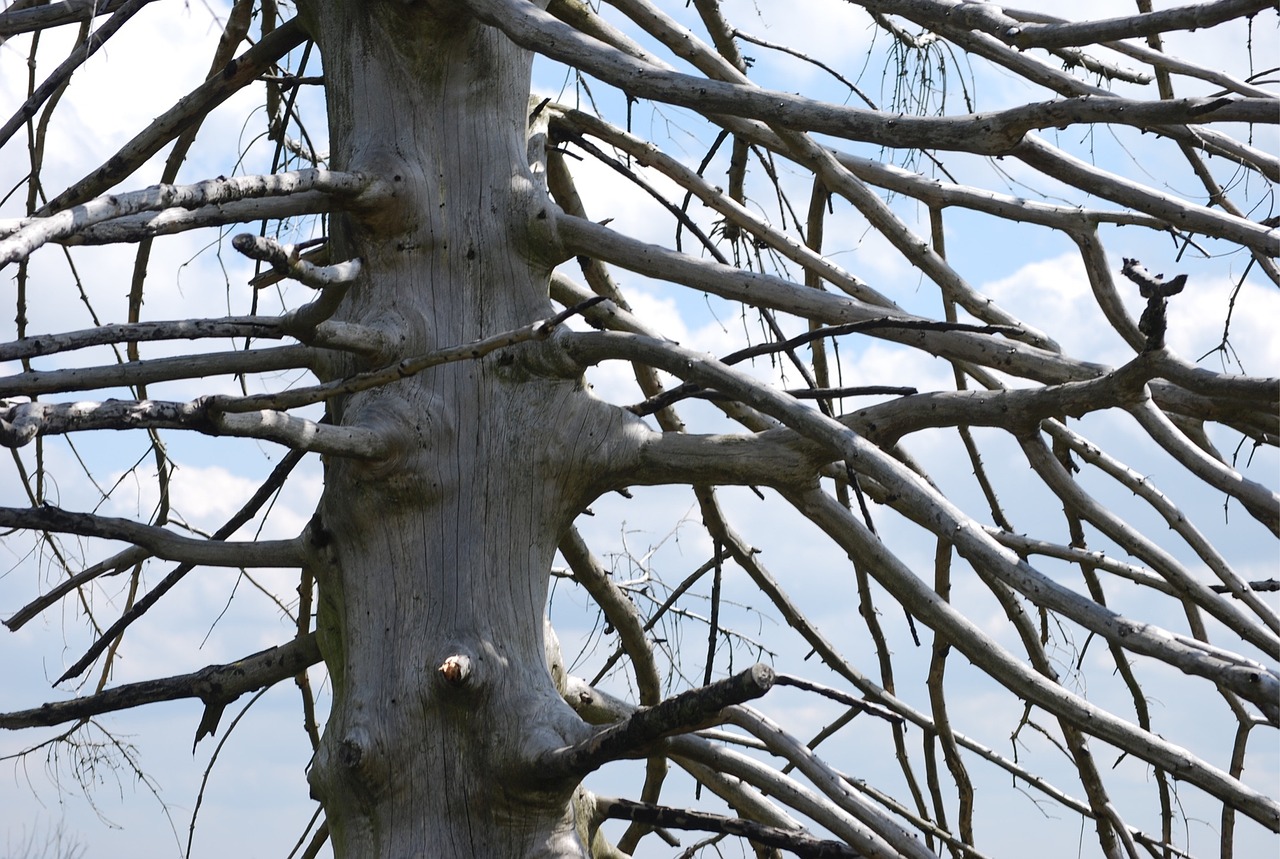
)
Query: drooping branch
[
  {"x": 925, "y": 604},
  {"x": 215, "y": 685},
  {"x": 1179, "y": 213}
]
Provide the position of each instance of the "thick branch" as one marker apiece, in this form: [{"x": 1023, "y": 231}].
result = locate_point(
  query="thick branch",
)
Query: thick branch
[
  {"x": 918, "y": 500},
  {"x": 685, "y": 712}
]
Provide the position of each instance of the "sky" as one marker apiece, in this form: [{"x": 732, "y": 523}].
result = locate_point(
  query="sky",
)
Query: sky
[{"x": 254, "y": 802}]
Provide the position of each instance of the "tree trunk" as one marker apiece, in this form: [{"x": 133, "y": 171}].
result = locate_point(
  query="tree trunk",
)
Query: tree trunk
[{"x": 433, "y": 565}]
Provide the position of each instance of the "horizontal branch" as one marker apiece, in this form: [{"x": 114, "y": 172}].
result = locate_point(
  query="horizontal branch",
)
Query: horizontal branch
[
  {"x": 147, "y": 225},
  {"x": 534, "y": 331},
  {"x": 215, "y": 685},
  {"x": 154, "y": 370},
  {"x": 336, "y": 335},
  {"x": 20, "y": 423},
  {"x": 160, "y": 542},
  {"x": 34, "y": 232},
  {"x": 992, "y": 133},
  {"x": 141, "y": 332}
]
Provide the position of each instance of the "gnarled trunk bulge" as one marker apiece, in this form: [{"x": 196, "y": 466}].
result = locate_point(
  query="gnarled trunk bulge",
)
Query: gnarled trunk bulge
[{"x": 434, "y": 563}]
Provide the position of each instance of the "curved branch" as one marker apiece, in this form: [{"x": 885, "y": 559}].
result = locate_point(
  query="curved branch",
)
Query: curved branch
[
  {"x": 286, "y": 260},
  {"x": 1261, "y": 503}
]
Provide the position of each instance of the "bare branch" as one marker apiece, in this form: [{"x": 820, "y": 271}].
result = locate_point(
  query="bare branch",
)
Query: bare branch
[
  {"x": 158, "y": 541},
  {"x": 793, "y": 842},
  {"x": 215, "y": 685},
  {"x": 286, "y": 260},
  {"x": 154, "y": 370},
  {"x": 238, "y": 74},
  {"x": 43, "y": 17},
  {"x": 60, "y": 75},
  {"x": 24, "y": 240},
  {"x": 20, "y": 423},
  {"x": 685, "y": 712},
  {"x": 988, "y": 134}
]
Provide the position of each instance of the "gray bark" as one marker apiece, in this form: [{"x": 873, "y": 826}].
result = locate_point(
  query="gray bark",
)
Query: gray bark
[{"x": 433, "y": 565}]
